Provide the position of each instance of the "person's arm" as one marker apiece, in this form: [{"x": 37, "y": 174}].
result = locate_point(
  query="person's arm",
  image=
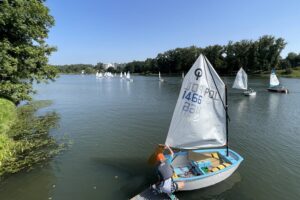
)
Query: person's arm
[{"x": 170, "y": 150}]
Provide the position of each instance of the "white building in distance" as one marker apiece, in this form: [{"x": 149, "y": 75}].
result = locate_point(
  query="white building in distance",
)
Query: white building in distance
[{"x": 108, "y": 65}]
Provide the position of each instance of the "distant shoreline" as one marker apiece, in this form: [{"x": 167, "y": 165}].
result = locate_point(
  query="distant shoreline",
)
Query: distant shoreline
[{"x": 295, "y": 73}]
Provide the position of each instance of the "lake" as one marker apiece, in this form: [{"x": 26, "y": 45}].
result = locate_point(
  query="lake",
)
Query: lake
[{"x": 115, "y": 125}]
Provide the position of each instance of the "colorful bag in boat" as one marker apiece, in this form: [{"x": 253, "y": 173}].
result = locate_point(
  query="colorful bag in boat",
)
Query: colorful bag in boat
[{"x": 222, "y": 166}]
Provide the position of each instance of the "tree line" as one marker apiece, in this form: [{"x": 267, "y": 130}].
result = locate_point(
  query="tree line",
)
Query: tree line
[{"x": 255, "y": 56}]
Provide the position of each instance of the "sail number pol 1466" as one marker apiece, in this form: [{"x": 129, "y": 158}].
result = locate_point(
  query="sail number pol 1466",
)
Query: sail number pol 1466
[
  {"x": 192, "y": 96},
  {"x": 194, "y": 100}
]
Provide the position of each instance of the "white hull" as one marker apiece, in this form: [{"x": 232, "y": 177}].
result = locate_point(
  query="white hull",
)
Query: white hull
[
  {"x": 209, "y": 180},
  {"x": 247, "y": 93}
]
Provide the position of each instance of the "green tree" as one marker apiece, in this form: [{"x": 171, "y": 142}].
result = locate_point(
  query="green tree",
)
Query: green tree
[
  {"x": 24, "y": 26},
  {"x": 285, "y": 64},
  {"x": 99, "y": 67},
  {"x": 292, "y": 58},
  {"x": 214, "y": 55},
  {"x": 111, "y": 69},
  {"x": 269, "y": 49}
]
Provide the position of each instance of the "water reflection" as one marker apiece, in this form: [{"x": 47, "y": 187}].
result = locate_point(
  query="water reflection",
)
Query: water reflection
[
  {"x": 35, "y": 185},
  {"x": 242, "y": 106},
  {"x": 274, "y": 100},
  {"x": 128, "y": 87},
  {"x": 133, "y": 174}
]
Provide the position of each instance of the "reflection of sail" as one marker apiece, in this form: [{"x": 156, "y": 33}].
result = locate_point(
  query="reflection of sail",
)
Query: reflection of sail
[
  {"x": 159, "y": 84},
  {"x": 241, "y": 106},
  {"x": 273, "y": 103},
  {"x": 128, "y": 87}
]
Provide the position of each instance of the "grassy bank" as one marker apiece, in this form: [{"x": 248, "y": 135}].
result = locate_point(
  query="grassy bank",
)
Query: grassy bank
[
  {"x": 7, "y": 118},
  {"x": 24, "y": 137},
  {"x": 293, "y": 73},
  {"x": 7, "y": 115}
]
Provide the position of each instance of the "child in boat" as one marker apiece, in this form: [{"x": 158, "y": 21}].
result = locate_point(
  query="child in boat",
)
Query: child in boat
[{"x": 165, "y": 173}]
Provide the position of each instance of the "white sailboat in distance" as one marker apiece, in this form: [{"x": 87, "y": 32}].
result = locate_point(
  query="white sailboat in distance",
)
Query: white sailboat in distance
[
  {"x": 275, "y": 84},
  {"x": 159, "y": 77},
  {"x": 128, "y": 77},
  {"x": 241, "y": 82}
]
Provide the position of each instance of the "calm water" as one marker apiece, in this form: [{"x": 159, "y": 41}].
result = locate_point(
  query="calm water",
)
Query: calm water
[{"x": 114, "y": 126}]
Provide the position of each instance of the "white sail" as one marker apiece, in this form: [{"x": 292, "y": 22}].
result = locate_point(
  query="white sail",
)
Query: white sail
[
  {"x": 121, "y": 75},
  {"x": 273, "y": 79},
  {"x": 128, "y": 75},
  {"x": 241, "y": 80},
  {"x": 199, "y": 118},
  {"x": 159, "y": 75}
]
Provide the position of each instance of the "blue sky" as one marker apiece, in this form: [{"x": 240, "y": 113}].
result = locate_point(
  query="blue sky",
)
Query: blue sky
[{"x": 92, "y": 31}]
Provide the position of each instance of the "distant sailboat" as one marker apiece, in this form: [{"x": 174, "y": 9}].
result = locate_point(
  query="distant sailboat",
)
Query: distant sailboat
[
  {"x": 275, "y": 84},
  {"x": 82, "y": 72},
  {"x": 121, "y": 75},
  {"x": 128, "y": 77},
  {"x": 241, "y": 82},
  {"x": 159, "y": 77}
]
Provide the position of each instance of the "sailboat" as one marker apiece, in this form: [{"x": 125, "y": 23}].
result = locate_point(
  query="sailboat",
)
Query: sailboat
[
  {"x": 199, "y": 133},
  {"x": 128, "y": 77},
  {"x": 241, "y": 82},
  {"x": 159, "y": 77},
  {"x": 199, "y": 129},
  {"x": 275, "y": 84}
]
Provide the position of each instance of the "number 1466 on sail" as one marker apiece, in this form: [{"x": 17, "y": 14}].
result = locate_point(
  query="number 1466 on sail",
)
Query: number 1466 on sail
[{"x": 191, "y": 96}]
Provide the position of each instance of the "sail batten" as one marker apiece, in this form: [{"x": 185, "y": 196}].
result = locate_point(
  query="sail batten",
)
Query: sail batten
[
  {"x": 241, "y": 80},
  {"x": 199, "y": 117}
]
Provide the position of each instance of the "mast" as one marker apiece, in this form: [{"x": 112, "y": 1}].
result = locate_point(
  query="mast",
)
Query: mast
[{"x": 226, "y": 109}]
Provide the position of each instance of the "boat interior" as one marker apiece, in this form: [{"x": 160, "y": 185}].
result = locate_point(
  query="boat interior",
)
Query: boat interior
[{"x": 192, "y": 163}]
